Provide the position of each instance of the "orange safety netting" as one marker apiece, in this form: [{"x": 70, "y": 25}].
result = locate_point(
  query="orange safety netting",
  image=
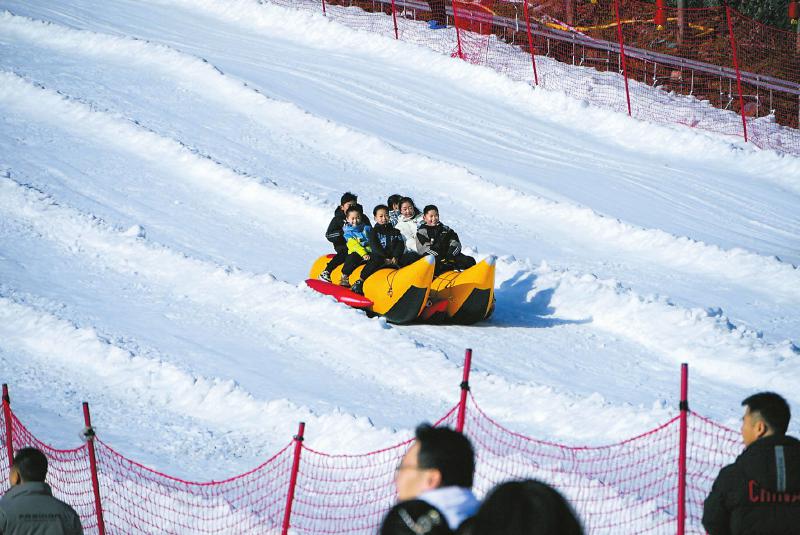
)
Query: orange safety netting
[
  {"x": 709, "y": 68},
  {"x": 628, "y": 487}
]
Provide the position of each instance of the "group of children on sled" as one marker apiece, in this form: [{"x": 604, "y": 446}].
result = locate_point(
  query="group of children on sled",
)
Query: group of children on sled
[{"x": 401, "y": 235}]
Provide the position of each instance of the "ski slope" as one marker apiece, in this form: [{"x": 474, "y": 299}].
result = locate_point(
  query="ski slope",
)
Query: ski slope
[{"x": 168, "y": 169}]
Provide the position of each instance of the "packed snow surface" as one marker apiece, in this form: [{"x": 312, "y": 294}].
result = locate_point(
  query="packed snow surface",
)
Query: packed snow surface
[{"x": 167, "y": 172}]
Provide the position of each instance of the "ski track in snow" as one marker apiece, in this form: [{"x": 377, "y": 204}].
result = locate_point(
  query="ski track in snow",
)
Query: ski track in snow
[
  {"x": 258, "y": 299},
  {"x": 105, "y": 126},
  {"x": 716, "y": 348},
  {"x": 142, "y": 381},
  {"x": 281, "y": 308},
  {"x": 780, "y": 281}
]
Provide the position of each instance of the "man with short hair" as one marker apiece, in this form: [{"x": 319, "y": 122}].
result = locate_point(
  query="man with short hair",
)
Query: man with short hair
[
  {"x": 760, "y": 492},
  {"x": 29, "y": 507},
  {"x": 439, "y": 469}
]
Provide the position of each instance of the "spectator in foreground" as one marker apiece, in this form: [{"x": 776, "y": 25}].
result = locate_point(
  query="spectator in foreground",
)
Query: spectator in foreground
[
  {"x": 414, "y": 517},
  {"x": 29, "y": 506},
  {"x": 760, "y": 492},
  {"x": 525, "y": 507},
  {"x": 438, "y": 470}
]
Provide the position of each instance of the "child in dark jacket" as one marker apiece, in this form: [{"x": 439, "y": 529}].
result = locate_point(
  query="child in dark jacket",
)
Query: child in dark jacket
[
  {"x": 335, "y": 234},
  {"x": 387, "y": 247},
  {"x": 441, "y": 241},
  {"x": 356, "y": 236}
]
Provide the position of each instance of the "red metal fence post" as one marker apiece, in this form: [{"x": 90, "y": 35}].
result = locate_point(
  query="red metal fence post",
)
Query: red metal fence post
[
  {"x": 458, "y": 32},
  {"x": 738, "y": 74},
  {"x": 684, "y": 407},
  {"x": 622, "y": 54},
  {"x": 530, "y": 41},
  {"x": 394, "y": 18},
  {"x": 7, "y": 418},
  {"x": 462, "y": 405},
  {"x": 298, "y": 442},
  {"x": 324, "y": 11},
  {"x": 89, "y": 434}
]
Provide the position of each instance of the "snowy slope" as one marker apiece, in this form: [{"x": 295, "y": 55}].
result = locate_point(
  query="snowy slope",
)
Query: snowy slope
[{"x": 167, "y": 169}]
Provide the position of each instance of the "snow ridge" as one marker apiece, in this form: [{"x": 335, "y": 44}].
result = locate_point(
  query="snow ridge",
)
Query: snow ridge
[
  {"x": 781, "y": 281},
  {"x": 126, "y": 135},
  {"x": 143, "y": 381},
  {"x": 282, "y": 312}
]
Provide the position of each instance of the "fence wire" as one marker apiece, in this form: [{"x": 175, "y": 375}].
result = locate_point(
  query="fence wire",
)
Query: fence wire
[
  {"x": 627, "y": 487},
  {"x": 707, "y": 68}
]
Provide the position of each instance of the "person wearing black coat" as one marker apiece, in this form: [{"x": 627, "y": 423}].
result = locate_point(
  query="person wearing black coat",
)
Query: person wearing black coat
[
  {"x": 759, "y": 494},
  {"x": 441, "y": 241},
  {"x": 387, "y": 245},
  {"x": 335, "y": 234}
]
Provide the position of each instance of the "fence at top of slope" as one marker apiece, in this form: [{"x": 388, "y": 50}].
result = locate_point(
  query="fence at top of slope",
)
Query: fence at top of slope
[
  {"x": 651, "y": 483},
  {"x": 707, "y": 68}
]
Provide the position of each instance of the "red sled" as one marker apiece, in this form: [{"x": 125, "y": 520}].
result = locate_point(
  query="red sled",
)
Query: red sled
[{"x": 340, "y": 293}]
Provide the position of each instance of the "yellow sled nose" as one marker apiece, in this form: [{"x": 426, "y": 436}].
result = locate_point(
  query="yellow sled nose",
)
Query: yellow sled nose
[
  {"x": 397, "y": 294},
  {"x": 469, "y": 293},
  {"x": 400, "y": 294}
]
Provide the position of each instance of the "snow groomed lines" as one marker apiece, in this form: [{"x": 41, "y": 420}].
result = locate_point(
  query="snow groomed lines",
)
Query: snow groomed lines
[
  {"x": 781, "y": 281},
  {"x": 705, "y": 338},
  {"x": 287, "y": 313},
  {"x": 147, "y": 383},
  {"x": 106, "y": 129},
  {"x": 651, "y": 322},
  {"x": 61, "y": 99}
]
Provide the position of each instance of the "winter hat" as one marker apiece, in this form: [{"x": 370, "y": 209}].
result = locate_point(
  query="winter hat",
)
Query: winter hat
[
  {"x": 347, "y": 197},
  {"x": 414, "y": 517}
]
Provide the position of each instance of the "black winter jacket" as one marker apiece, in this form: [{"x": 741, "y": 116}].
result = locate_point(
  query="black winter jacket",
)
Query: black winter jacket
[
  {"x": 335, "y": 234},
  {"x": 440, "y": 241},
  {"x": 30, "y": 508},
  {"x": 386, "y": 242},
  {"x": 759, "y": 494}
]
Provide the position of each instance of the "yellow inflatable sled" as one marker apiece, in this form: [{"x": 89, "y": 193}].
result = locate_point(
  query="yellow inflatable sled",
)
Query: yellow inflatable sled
[
  {"x": 397, "y": 294},
  {"x": 469, "y": 293},
  {"x": 411, "y": 293}
]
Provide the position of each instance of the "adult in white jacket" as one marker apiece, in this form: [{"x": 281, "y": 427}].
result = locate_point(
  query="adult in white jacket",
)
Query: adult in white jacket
[{"x": 408, "y": 224}]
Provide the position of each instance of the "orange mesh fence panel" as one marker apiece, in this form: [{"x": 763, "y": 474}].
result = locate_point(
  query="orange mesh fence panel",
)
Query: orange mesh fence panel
[
  {"x": 630, "y": 487},
  {"x": 338, "y": 494},
  {"x": 769, "y": 60},
  {"x": 138, "y": 499},
  {"x": 4, "y": 461},
  {"x": 683, "y": 72},
  {"x": 711, "y": 446},
  {"x": 68, "y": 473}
]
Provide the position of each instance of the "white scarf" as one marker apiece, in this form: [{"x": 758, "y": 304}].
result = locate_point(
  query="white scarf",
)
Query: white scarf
[{"x": 455, "y": 503}]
